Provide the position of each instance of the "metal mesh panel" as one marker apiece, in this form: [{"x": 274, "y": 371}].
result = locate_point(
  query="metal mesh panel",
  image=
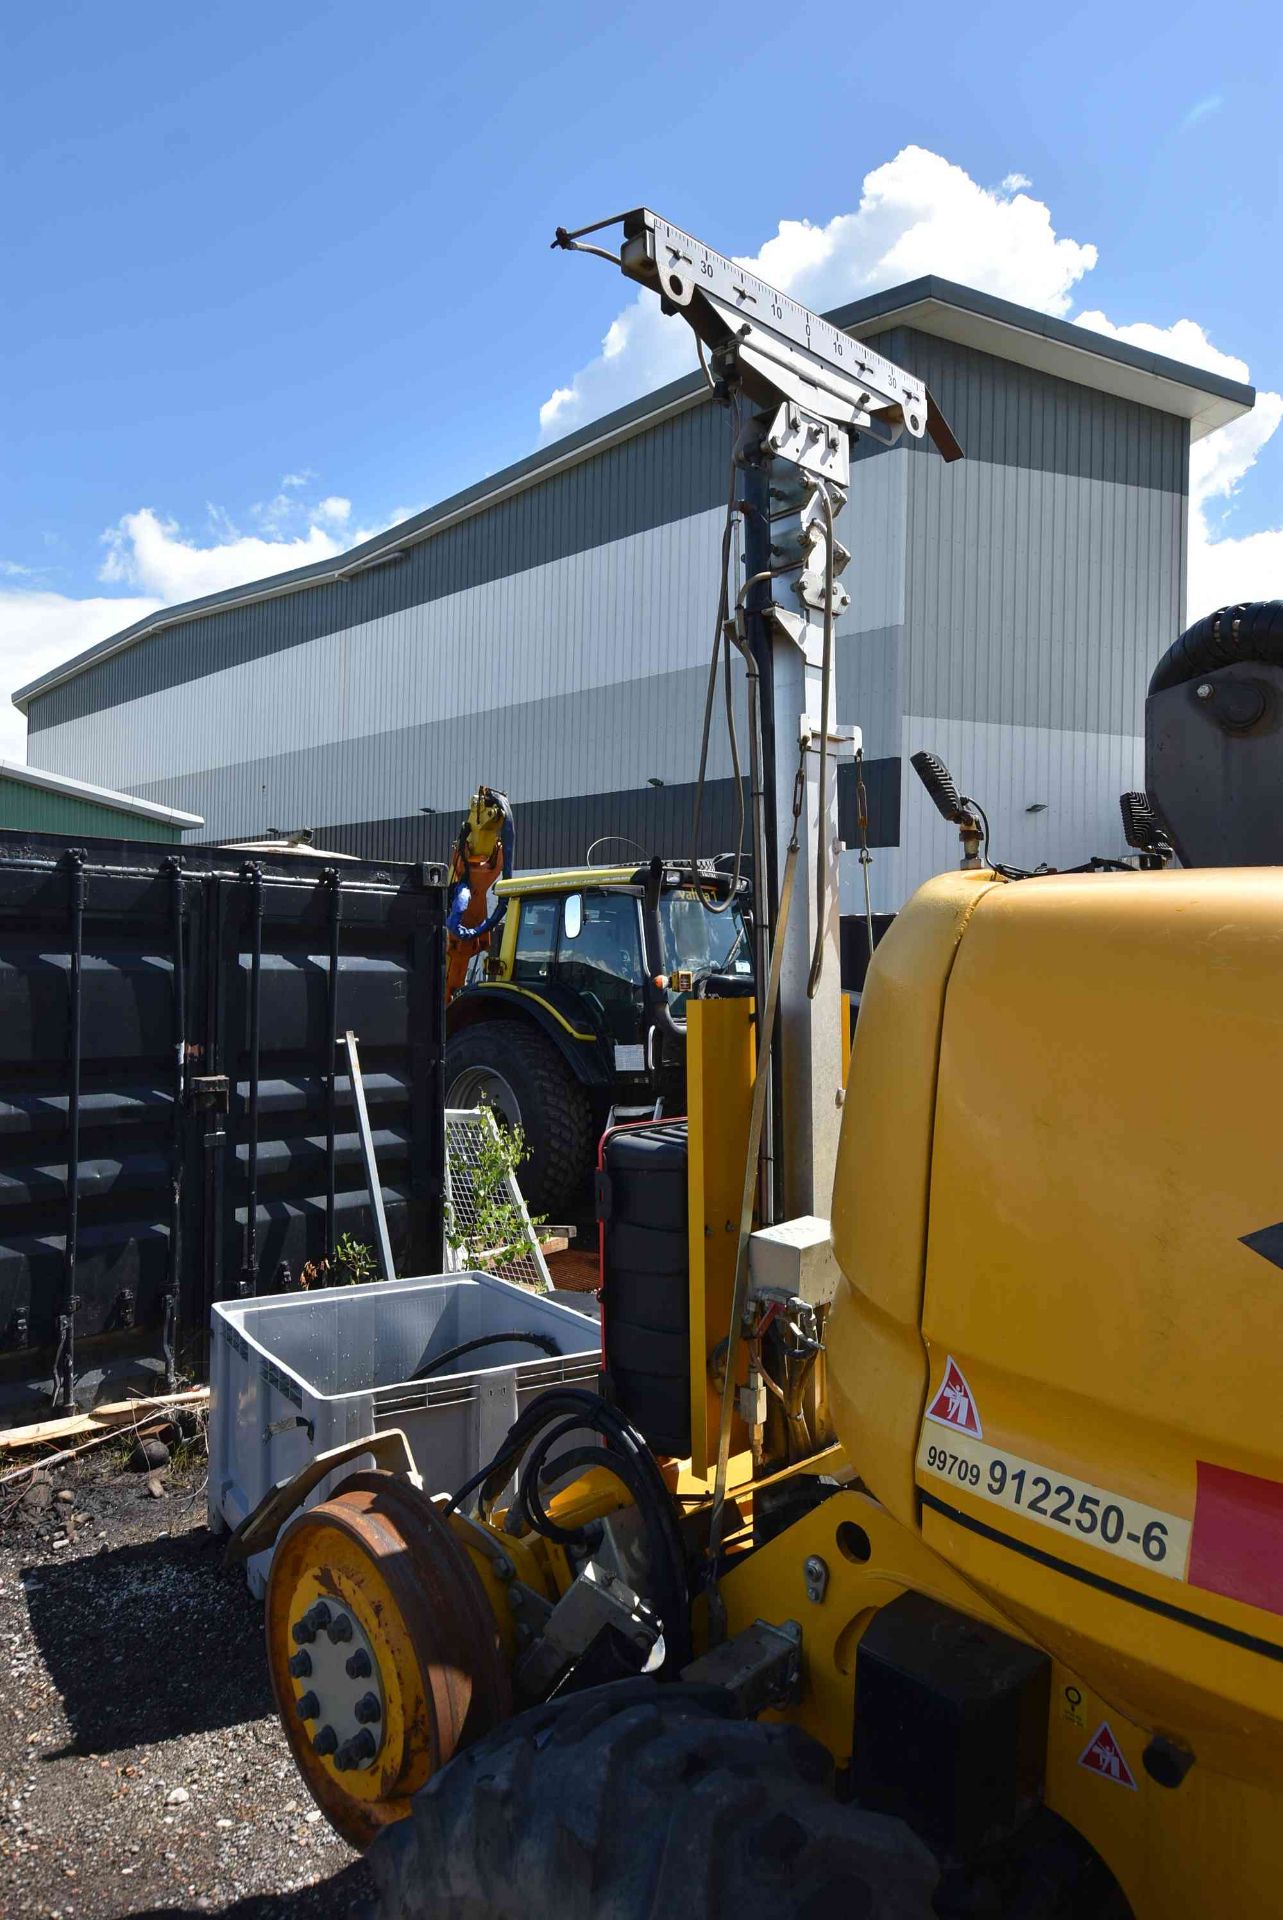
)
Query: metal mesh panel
[{"x": 522, "y": 1259}]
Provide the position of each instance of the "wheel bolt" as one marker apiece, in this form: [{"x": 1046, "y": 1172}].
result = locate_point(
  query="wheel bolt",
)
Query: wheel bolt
[
  {"x": 300, "y": 1665},
  {"x": 358, "y": 1665},
  {"x": 367, "y": 1708},
  {"x": 306, "y": 1629},
  {"x": 325, "y": 1741},
  {"x": 340, "y": 1629},
  {"x": 308, "y": 1706},
  {"x": 361, "y": 1747}
]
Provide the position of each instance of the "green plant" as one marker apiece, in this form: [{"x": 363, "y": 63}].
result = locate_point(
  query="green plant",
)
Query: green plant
[
  {"x": 354, "y": 1263},
  {"x": 498, "y": 1230}
]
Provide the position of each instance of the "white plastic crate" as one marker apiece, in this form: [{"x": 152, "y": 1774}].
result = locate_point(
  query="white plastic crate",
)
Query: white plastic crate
[{"x": 293, "y": 1374}]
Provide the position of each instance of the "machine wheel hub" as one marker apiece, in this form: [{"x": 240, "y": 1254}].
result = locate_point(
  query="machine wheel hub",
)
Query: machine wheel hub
[
  {"x": 384, "y": 1651},
  {"x": 338, "y": 1686}
]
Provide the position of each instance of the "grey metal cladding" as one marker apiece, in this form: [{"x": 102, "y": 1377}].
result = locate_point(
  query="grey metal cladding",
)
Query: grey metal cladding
[
  {"x": 674, "y": 470},
  {"x": 559, "y": 832},
  {"x": 622, "y": 734},
  {"x": 555, "y": 833},
  {"x": 891, "y": 300},
  {"x": 1014, "y": 416},
  {"x": 1046, "y": 576},
  {"x": 663, "y": 472},
  {"x": 869, "y": 689}
]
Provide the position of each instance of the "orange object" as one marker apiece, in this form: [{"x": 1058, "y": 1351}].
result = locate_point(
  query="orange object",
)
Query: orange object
[{"x": 481, "y": 857}]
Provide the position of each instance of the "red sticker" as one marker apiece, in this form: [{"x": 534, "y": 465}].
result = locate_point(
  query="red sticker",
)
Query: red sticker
[
  {"x": 1236, "y": 1547},
  {"x": 1104, "y": 1756},
  {"x": 954, "y": 1406}
]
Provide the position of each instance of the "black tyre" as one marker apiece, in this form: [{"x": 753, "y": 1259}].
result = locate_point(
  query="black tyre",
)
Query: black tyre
[
  {"x": 645, "y": 1802},
  {"x": 512, "y": 1068}
]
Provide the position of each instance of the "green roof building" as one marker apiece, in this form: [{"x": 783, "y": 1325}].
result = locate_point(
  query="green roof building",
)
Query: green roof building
[{"x": 33, "y": 801}]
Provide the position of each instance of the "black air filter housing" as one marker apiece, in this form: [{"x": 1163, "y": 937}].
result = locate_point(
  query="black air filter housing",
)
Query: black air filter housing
[{"x": 641, "y": 1203}]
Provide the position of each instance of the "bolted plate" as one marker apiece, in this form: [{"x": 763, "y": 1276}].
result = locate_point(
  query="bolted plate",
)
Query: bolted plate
[{"x": 376, "y": 1575}]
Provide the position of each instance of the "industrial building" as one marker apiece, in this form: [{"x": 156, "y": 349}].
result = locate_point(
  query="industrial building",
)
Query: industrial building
[
  {"x": 547, "y": 630},
  {"x": 34, "y": 801}
]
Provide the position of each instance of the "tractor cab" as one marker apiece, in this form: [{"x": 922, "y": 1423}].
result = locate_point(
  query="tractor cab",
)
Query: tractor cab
[{"x": 575, "y": 1018}]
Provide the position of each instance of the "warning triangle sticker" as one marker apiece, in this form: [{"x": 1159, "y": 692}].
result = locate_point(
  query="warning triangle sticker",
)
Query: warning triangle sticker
[
  {"x": 1104, "y": 1756},
  {"x": 954, "y": 1405}
]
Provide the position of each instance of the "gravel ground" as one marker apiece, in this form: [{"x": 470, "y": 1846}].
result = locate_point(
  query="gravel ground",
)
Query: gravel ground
[{"x": 142, "y": 1768}]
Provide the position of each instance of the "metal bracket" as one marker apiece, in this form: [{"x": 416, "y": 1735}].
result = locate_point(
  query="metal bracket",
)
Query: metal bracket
[
  {"x": 815, "y": 1572},
  {"x": 815, "y": 445},
  {"x": 787, "y": 352},
  {"x": 209, "y": 1092},
  {"x": 259, "y": 1528},
  {"x": 761, "y": 1667},
  {"x": 594, "y": 1602}
]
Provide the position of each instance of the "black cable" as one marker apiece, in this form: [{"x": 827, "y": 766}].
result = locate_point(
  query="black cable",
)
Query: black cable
[
  {"x": 529, "y": 1503},
  {"x": 544, "y": 1340},
  {"x": 568, "y": 1409},
  {"x": 721, "y": 649},
  {"x": 984, "y": 821}
]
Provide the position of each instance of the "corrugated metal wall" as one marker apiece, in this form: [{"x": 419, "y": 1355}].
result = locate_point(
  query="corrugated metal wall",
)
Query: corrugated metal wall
[
  {"x": 1045, "y": 575},
  {"x": 31, "y": 809},
  {"x": 555, "y": 644}
]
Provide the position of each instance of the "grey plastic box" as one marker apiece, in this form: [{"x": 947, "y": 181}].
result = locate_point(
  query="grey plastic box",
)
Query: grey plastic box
[{"x": 294, "y": 1374}]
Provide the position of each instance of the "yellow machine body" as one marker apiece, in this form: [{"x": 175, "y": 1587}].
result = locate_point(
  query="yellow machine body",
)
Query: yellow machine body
[
  {"x": 1050, "y": 1366},
  {"x": 1053, "y": 1356}
]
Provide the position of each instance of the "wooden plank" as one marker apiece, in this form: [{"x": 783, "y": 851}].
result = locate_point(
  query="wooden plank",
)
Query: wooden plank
[{"x": 117, "y": 1413}]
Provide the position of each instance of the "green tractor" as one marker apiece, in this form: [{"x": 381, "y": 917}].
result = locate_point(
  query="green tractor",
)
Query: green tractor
[{"x": 574, "y": 1020}]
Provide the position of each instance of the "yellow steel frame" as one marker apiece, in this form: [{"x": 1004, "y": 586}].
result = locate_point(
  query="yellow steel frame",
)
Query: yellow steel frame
[{"x": 719, "y": 1094}]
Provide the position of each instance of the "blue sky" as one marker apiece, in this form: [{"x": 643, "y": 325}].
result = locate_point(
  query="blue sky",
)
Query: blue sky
[{"x": 275, "y": 274}]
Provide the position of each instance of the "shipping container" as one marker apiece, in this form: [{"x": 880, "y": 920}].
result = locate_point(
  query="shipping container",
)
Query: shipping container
[{"x": 176, "y": 1121}]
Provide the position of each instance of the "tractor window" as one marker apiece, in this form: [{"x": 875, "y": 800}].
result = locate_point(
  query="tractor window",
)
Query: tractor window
[
  {"x": 602, "y": 959},
  {"x": 700, "y": 940},
  {"x": 536, "y": 939}
]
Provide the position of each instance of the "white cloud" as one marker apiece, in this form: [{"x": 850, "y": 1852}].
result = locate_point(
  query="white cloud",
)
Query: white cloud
[
  {"x": 1185, "y": 340},
  {"x": 920, "y": 214},
  {"x": 1222, "y": 566},
  {"x": 151, "y": 553},
  {"x": 917, "y": 214},
  {"x": 161, "y": 564},
  {"x": 39, "y": 630}
]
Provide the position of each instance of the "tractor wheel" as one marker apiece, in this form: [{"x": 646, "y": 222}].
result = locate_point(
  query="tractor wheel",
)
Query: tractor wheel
[
  {"x": 509, "y": 1067},
  {"x": 645, "y": 1802}
]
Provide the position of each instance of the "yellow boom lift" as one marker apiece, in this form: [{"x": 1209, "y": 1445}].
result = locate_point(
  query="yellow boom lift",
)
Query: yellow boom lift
[{"x": 962, "y": 1593}]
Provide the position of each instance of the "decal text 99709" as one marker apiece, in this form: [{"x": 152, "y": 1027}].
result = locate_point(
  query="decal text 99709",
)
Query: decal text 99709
[{"x": 1145, "y": 1535}]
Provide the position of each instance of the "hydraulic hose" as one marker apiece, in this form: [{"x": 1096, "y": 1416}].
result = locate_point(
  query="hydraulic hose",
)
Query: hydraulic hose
[
  {"x": 554, "y": 1416},
  {"x": 544, "y": 1341}
]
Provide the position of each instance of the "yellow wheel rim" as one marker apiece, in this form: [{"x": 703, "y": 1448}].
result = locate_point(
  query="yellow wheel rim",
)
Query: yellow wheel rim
[{"x": 373, "y": 1578}]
